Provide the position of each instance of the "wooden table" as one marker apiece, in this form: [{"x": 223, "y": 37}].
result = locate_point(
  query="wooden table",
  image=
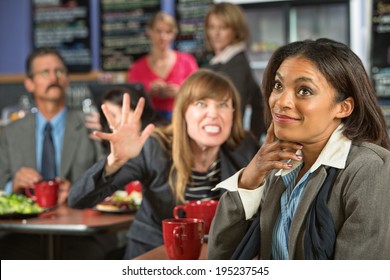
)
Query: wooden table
[
  {"x": 160, "y": 254},
  {"x": 67, "y": 221}
]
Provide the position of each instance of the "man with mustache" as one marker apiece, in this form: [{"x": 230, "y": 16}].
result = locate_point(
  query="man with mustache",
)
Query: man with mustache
[{"x": 22, "y": 142}]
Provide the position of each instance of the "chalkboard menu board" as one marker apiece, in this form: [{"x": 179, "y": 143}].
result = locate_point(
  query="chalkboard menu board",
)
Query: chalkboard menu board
[
  {"x": 123, "y": 36},
  {"x": 380, "y": 54},
  {"x": 64, "y": 25},
  {"x": 190, "y": 17},
  {"x": 380, "y": 47}
]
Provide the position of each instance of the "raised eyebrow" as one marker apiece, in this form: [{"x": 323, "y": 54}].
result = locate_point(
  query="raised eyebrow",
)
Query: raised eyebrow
[
  {"x": 300, "y": 79},
  {"x": 304, "y": 79},
  {"x": 277, "y": 74}
]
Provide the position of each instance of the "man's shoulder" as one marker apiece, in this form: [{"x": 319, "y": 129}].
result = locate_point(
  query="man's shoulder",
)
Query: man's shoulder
[
  {"x": 75, "y": 113},
  {"x": 75, "y": 116},
  {"x": 26, "y": 121}
]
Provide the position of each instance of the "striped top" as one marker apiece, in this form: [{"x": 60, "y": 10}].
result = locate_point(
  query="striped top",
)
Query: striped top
[{"x": 201, "y": 183}]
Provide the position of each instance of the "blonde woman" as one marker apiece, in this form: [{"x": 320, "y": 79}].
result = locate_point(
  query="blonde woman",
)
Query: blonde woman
[
  {"x": 162, "y": 70},
  {"x": 205, "y": 139}
]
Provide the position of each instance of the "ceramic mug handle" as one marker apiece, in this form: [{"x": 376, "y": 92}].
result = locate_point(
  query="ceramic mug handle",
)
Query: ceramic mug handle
[
  {"x": 176, "y": 210},
  {"x": 29, "y": 194}
]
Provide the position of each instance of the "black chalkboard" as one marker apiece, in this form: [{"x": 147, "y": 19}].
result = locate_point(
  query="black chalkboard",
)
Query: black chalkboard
[
  {"x": 64, "y": 25},
  {"x": 190, "y": 18},
  {"x": 380, "y": 47},
  {"x": 381, "y": 33},
  {"x": 123, "y": 38}
]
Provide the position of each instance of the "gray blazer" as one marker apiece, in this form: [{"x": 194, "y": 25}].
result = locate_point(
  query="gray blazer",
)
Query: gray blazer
[
  {"x": 17, "y": 148},
  {"x": 359, "y": 203}
]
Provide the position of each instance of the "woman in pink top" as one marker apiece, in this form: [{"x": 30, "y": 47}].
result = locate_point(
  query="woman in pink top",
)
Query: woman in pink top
[{"x": 163, "y": 70}]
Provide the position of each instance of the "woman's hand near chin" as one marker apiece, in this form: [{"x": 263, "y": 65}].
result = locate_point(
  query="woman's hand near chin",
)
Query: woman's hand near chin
[{"x": 273, "y": 154}]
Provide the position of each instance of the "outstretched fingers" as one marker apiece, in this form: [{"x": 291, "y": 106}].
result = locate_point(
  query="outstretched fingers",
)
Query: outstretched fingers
[
  {"x": 109, "y": 117},
  {"x": 102, "y": 135},
  {"x": 125, "y": 108},
  {"x": 136, "y": 115},
  {"x": 149, "y": 129}
]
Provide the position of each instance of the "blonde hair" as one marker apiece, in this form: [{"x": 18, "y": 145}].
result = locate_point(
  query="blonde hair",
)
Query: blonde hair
[
  {"x": 164, "y": 17},
  {"x": 233, "y": 16},
  {"x": 200, "y": 85}
]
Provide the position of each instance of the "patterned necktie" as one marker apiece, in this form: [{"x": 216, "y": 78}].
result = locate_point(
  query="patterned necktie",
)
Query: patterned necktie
[{"x": 48, "y": 155}]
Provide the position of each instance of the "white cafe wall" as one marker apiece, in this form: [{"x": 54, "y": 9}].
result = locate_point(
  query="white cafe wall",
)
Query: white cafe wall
[{"x": 360, "y": 18}]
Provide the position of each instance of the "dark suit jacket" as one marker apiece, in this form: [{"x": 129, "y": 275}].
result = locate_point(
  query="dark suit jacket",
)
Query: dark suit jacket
[
  {"x": 240, "y": 73},
  {"x": 151, "y": 167},
  {"x": 17, "y": 147}
]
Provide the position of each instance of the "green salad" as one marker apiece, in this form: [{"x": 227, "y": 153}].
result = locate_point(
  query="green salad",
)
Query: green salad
[{"x": 18, "y": 203}]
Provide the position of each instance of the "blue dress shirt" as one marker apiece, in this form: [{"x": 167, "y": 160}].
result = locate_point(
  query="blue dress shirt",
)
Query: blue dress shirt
[{"x": 288, "y": 205}]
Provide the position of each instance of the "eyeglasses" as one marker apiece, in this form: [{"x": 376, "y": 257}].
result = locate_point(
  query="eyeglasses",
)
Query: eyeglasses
[{"x": 59, "y": 73}]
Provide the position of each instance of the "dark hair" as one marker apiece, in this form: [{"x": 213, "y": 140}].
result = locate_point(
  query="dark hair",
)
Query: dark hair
[
  {"x": 115, "y": 95},
  {"x": 343, "y": 69},
  {"x": 37, "y": 53}
]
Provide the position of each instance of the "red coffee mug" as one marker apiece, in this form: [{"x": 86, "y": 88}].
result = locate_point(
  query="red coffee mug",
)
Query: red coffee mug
[
  {"x": 45, "y": 193},
  {"x": 200, "y": 209},
  {"x": 183, "y": 238}
]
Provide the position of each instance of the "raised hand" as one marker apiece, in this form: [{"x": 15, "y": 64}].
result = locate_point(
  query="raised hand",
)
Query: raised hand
[
  {"x": 273, "y": 154},
  {"x": 126, "y": 139}
]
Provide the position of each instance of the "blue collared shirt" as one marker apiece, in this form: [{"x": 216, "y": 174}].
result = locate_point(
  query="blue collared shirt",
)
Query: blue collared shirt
[{"x": 288, "y": 205}]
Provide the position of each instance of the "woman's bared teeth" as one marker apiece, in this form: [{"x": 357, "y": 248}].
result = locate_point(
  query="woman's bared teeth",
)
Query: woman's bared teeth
[{"x": 212, "y": 128}]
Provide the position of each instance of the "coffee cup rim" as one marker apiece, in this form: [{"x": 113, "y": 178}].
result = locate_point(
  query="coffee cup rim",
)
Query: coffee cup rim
[
  {"x": 199, "y": 202},
  {"x": 172, "y": 221},
  {"x": 50, "y": 182}
]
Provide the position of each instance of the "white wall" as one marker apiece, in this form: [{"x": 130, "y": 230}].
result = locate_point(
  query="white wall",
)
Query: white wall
[{"x": 360, "y": 24}]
